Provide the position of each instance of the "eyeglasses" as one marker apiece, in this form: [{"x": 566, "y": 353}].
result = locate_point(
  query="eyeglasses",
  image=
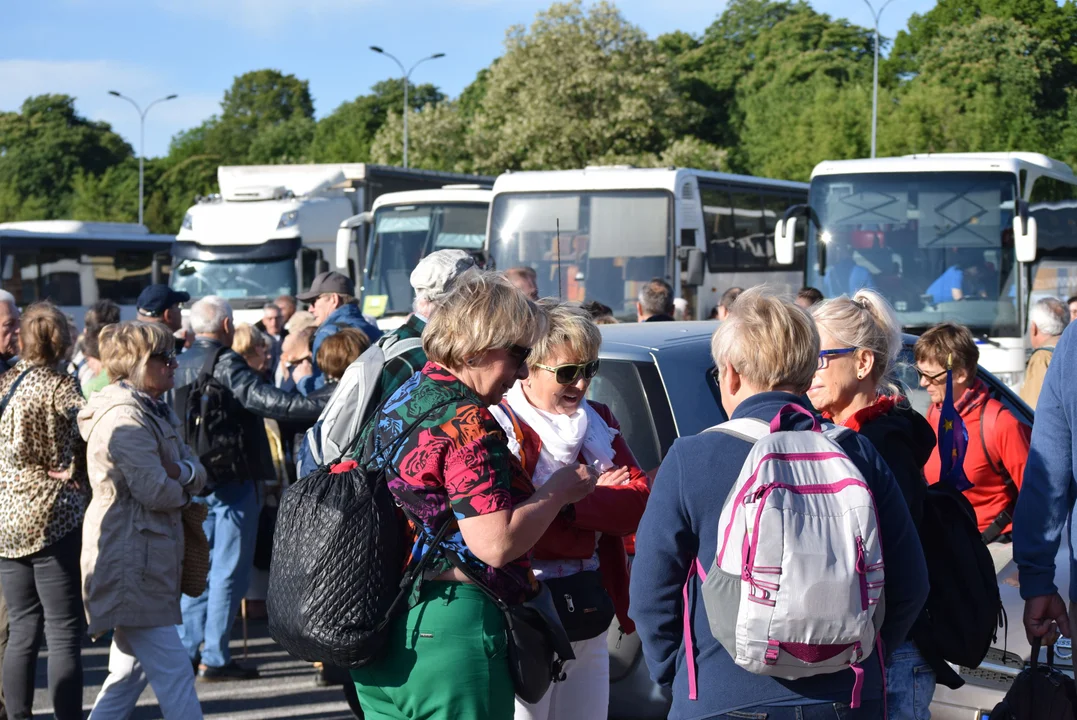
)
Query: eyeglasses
[
  {"x": 519, "y": 353},
  {"x": 931, "y": 379},
  {"x": 568, "y": 374},
  {"x": 825, "y": 355},
  {"x": 166, "y": 357}
]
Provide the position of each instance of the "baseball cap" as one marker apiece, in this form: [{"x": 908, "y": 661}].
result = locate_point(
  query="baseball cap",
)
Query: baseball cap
[
  {"x": 155, "y": 299},
  {"x": 328, "y": 282},
  {"x": 435, "y": 272}
]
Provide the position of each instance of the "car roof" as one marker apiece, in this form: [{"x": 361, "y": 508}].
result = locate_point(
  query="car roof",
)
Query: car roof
[{"x": 643, "y": 340}]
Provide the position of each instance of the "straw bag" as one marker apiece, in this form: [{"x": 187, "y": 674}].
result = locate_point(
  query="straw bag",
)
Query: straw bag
[{"x": 195, "y": 550}]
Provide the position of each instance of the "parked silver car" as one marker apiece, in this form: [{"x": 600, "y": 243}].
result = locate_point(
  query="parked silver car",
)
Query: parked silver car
[{"x": 657, "y": 379}]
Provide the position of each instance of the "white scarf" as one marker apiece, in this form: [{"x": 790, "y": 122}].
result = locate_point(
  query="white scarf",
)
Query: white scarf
[{"x": 563, "y": 437}]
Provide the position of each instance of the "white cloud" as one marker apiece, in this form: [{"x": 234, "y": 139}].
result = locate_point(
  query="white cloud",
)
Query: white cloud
[{"x": 89, "y": 81}]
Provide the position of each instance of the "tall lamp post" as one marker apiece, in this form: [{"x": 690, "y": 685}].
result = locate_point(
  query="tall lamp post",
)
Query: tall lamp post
[
  {"x": 141, "y": 140},
  {"x": 407, "y": 76},
  {"x": 875, "y": 78}
]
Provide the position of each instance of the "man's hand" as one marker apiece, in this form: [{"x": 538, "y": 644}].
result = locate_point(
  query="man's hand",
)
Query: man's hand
[
  {"x": 172, "y": 470},
  {"x": 1041, "y": 615}
]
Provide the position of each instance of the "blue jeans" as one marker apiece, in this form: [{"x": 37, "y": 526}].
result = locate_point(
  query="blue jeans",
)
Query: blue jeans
[
  {"x": 231, "y": 528},
  {"x": 868, "y": 710},
  {"x": 910, "y": 685}
]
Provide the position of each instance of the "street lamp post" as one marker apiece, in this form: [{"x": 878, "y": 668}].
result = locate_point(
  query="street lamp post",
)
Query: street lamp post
[
  {"x": 141, "y": 140},
  {"x": 875, "y": 74},
  {"x": 407, "y": 76}
]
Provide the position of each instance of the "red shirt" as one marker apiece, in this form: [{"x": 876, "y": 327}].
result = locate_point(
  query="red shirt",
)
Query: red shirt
[{"x": 1008, "y": 448}]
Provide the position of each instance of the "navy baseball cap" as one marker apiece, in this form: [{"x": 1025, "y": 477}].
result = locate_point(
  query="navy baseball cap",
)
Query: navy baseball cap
[{"x": 155, "y": 299}]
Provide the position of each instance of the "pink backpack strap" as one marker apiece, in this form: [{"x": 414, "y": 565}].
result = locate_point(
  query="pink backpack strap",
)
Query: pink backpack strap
[
  {"x": 776, "y": 423},
  {"x": 696, "y": 568}
]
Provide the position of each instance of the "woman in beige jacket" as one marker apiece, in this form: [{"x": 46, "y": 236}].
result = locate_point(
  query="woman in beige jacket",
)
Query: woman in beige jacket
[{"x": 142, "y": 474}]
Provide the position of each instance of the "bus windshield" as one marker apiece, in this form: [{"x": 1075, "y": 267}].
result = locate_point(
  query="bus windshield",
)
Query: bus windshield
[
  {"x": 254, "y": 282},
  {"x": 403, "y": 235},
  {"x": 938, "y": 246},
  {"x": 610, "y": 242}
]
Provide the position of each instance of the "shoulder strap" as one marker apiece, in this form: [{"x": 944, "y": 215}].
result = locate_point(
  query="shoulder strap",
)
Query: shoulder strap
[
  {"x": 211, "y": 363},
  {"x": 1004, "y": 518},
  {"x": 747, "y": 429},
  {"x": 11, "y": 391},
  {"x": 399, "y": 347}
]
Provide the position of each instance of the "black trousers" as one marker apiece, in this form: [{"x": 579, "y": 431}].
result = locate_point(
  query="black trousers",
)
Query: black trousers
[{"x": 43, "y": 591}]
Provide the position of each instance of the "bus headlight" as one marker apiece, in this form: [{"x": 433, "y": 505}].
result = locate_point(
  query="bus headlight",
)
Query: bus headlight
[
  {"x": 288, "y": 219},
  {"x": 188, "y": 222}
]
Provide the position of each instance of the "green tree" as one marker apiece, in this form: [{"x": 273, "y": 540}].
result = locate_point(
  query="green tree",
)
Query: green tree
[
  {"x": 576, "y": 88},
  {"x": 437, "y": 140},
  {"x": 285, "y": 142}
]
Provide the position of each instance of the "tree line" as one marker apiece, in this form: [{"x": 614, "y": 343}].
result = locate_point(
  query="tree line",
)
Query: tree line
[{"x": 770, "y": 88}]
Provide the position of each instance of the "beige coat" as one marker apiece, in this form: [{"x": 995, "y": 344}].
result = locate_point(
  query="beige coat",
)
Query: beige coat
[{"x": 132, "y": 537}]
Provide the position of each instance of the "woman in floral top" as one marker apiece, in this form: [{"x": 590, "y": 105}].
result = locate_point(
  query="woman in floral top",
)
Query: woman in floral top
[
  {"x": 446, "y": 657},
  {"x": 43, "y": 496}
]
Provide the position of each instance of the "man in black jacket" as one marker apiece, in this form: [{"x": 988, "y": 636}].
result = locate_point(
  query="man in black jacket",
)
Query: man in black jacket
[{"x": 233, "y": 504}]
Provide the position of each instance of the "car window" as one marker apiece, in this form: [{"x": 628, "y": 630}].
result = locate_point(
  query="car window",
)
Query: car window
[{"x": 618, "y": 385}]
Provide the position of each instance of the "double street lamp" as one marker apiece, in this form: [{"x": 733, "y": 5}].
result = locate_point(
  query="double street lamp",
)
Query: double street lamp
[
  {"x": 141, "y": 140},
  {"x": 407, "y": 76},
  {"x": 875, "y": 76}
]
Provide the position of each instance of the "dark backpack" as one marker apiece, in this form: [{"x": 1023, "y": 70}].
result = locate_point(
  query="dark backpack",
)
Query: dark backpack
[
  {"x": 1039, "y": 693},
  {"x": 208, "y": 416},
  {"x": 963, "y": 608},
  {"x": 337, "y": 576}
]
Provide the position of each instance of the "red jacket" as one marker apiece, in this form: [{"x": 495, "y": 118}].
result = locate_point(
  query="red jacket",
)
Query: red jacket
[
  {"x": 614, "y": 512},
  {"x": 1008, "y": 448}
]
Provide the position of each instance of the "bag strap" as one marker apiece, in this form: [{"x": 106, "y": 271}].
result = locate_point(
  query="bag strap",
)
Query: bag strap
[
  {"x": 11, "y": 391},
  {"x": 211, "y": 363},
  {"x": 1004, "y": 518},
  {"x": 750, "y": 430},
  {"x": 414, "y": 573}
]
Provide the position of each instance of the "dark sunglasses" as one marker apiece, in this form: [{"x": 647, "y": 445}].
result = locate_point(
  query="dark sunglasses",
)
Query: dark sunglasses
[
  {"x": 568, "y": 374},
  {"x": 930, "y": 378},
  {"x": 519, "y": 353},
  {"x": 166, "y": 357}
]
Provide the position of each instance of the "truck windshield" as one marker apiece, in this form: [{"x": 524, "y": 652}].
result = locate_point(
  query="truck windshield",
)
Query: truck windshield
[
  {"x": 235, "y": 280},
  {"x": 938, "y": 246},
  {"x": 405, "y": 234},
  {"x": 610, "y": 242}
]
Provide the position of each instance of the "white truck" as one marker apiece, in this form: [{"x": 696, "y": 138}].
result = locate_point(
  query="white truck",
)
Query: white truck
[
  {"x": 272, "y": 228},
  {"x": 402, "y": 228}
]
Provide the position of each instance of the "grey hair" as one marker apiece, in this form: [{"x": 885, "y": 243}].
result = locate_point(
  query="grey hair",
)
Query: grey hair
[
  {"x": 6, "y": 297},
  {"x": 656, "y": 297},
  {"x": 208, "y": 315},
  {"x": 1050, "y": 315},
  {"x": 868, "y": 322},
  {"x": 273, "y": 306}
]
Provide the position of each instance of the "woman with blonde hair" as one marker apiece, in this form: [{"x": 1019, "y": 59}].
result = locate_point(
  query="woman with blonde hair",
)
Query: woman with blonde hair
[
  {"x": 253, "y": 345},
  {"x": 43, "y": 495},
  {"x": 142, "y": 475},
  {"x": 450, "y": 463},
  {"x": 860, "y": 341}
]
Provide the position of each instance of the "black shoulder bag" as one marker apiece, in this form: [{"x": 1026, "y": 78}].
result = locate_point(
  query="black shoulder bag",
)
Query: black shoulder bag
[{"x": 1042, "y": 692}]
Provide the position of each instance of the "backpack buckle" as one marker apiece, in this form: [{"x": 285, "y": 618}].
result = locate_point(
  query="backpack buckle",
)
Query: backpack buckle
[{"x": 771, "y": 656}]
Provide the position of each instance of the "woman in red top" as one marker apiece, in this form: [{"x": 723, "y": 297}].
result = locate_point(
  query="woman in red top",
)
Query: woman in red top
[
  {"x": 996, "y": 475},
  {"x": 581, "y": 557}
]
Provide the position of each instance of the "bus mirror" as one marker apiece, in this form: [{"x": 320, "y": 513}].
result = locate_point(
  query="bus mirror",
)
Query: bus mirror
[
  {"x": 691, "y": 266},
  {"x": 1024, "y": 238},
  {"x": 784, "y": 233},
  {"x": 322, "y": 265},
  {"x": 343, "y": 247}
]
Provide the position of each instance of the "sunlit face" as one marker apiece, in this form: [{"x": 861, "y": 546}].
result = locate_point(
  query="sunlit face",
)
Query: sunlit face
[
  {"x": 323, "y": 307},
  {"x": 495, "y": 372},
  {"x": 271, "y": 318},
  {"x": 933, "y": 380},
  {"x": 9, "y": 330},
  {"x": 834, "y": 386},
  {"x": 546, "y": 393},
  {"x": 160, "y": 374},
  {"x": 1073, "y": 311},
  {"x": 258, "y": 358}
]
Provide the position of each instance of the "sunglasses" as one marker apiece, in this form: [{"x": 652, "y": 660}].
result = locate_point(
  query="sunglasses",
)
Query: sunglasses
[
  {"x": 568, "y": 374},
  {"x": 930, "y": 378},
  {"x": 166, "y": 357},
  {"x": 519, "y": 353},
  {"x": 825, "y": 355}
]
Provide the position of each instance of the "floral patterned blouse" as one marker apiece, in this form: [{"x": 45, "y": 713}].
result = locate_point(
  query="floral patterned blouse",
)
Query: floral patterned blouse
[
  {"x": 455, "y": 463},
  {"x": 38, "y": 433}
]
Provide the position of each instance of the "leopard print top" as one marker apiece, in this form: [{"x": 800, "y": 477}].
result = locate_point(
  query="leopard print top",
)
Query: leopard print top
[{"x": 38, "y": 433}]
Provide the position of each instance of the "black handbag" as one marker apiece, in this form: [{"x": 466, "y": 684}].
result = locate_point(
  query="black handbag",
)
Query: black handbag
[
  {"x": 585, "y": 608},
  {"x": 1042, "y": 692},
  {"x": 538, "y": 646}
]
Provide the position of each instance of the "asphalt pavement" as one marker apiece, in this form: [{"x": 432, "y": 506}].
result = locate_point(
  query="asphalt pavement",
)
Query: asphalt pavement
[{"x": 285, "y": 690}]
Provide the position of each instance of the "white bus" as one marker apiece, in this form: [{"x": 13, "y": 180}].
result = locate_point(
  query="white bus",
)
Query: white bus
[
  {"x": 703, "y": 232},
  {"x": 74, "y": 264},
  {"x": 944, "y": 237}
]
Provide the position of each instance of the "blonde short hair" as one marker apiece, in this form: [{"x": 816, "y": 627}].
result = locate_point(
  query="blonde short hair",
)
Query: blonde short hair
[
  {"x": 771, "y": 342},
  {"x": 248, "y": 338},
  {"x": 866, "y": 321},
  {"x": 44, "y": 334},
  {"x": 482, "y": 312},
  {"x": 126, "y": 348},
  {"x": 568, "y": 327}
]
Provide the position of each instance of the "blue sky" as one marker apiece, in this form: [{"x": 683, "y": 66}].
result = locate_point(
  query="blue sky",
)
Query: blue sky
[{"x": 150, "y": 48}]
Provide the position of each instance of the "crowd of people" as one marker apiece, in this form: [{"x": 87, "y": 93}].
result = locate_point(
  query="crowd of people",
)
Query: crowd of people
[{"x": 114, "y": 523}]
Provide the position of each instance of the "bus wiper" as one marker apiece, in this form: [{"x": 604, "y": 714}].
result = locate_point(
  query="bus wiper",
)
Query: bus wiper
[{"x": 983, "y": 337}]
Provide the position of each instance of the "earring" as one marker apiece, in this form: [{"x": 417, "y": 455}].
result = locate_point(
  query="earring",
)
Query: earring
[{"x": 860, "y": 376}]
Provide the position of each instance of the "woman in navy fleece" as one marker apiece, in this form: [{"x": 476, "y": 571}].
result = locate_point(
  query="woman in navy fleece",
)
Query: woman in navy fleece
[{"x": 766, "y": 353}]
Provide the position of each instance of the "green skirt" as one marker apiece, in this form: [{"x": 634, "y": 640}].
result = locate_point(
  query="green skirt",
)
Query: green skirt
[{"x": 445, "y": 659}]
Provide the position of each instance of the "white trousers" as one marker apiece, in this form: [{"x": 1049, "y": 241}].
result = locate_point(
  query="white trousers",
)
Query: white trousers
[
  {"x": 585, "y": 691},
  {"x": 154, "y": 654}
]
